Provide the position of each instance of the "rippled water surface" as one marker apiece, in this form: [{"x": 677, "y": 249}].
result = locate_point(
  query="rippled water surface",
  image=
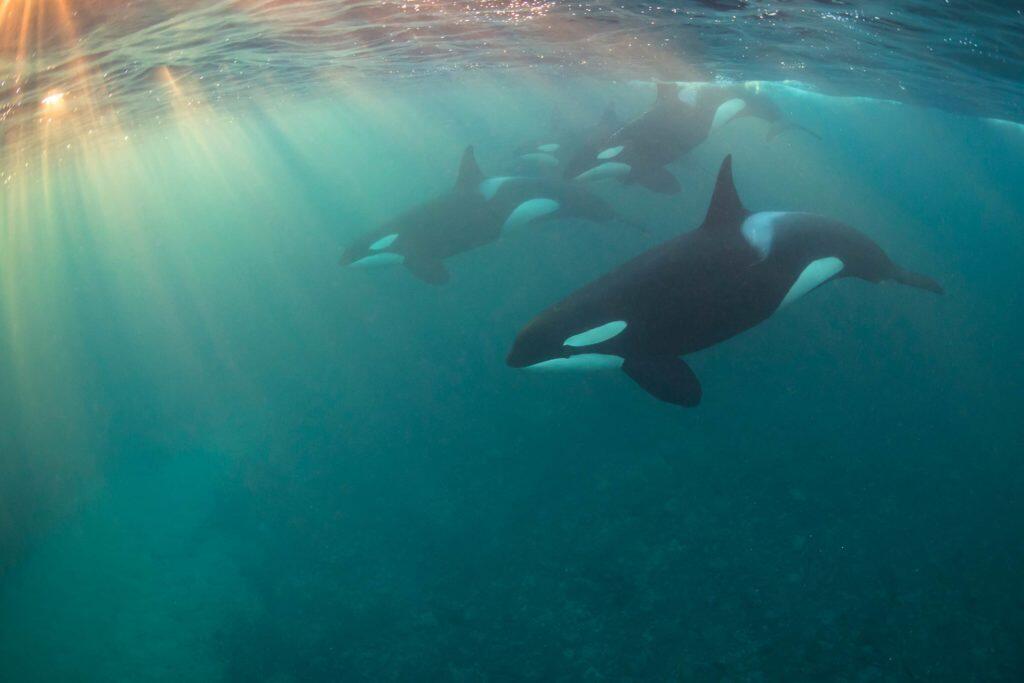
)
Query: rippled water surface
[{"x": 116, "y": 57}]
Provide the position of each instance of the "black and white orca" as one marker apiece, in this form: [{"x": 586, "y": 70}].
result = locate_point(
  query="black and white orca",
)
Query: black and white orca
[
  {"x": 697, "y": 290},
  {"x": 679, "y": 120},
  {"x": 550, "y": 153},
  {"x": 475, "y": 212}
]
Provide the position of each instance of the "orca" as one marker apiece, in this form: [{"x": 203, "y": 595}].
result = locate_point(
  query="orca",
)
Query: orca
[
  {"x": 548, "y": 154},
  {"x": 475, "y": 212},
  {"x": 699, "y": 289},
  {"x": 758, "y": 105},
  {"x": 679, "y": 120}
]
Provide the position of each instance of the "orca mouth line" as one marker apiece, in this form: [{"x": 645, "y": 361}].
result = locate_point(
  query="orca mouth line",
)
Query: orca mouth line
[
  {"x": 578, "y": 362},
  {"x": 513, "y": 360},
  {"x": 565, "y": 362},
  {"x": 519, "y": 360}
]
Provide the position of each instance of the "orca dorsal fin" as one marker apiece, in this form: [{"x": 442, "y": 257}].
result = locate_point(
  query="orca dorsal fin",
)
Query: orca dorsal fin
[
  {"x": 470, "y": 174},
  {"x": 668, "y": 93},
  {"x": 726, "y": 209}
]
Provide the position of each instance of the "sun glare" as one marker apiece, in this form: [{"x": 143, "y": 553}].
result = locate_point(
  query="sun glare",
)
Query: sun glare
[{"x": 53, "y": 101}]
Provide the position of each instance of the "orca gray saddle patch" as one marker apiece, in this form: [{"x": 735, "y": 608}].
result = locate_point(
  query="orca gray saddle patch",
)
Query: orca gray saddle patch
[
  {"x": 688, "y": 95},
  {"x": 490, "y": 187},
  {"x": 759, "y": 230}
]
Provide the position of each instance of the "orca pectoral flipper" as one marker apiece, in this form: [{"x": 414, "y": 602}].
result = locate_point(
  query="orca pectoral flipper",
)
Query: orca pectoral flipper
[
  {"x": 657, "y": 179},
  {"x": 912, "y": 279},
  {"x": 666, "y": 378},
  {"x": 431, "y": 271}
]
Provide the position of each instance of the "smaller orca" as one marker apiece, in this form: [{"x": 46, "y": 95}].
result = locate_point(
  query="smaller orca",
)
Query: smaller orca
[
  {"x": 760, "y": 106},
  {"x": 679, "y": 120},
  {"x": 697, "y": 290},
  {"x": 475, "y": 212},
  {"x": 551, "y": 152}
]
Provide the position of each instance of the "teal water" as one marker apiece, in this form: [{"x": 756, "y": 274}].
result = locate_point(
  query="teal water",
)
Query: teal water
[{"x": 224, "y": 458}]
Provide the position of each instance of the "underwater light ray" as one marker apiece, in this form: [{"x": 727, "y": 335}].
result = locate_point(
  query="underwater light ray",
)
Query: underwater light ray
[{"x": 53, "y": 419}]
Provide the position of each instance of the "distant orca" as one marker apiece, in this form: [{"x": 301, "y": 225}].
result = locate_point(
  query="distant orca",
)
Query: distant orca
[
  {"x": 756, "y": 105},
  {"x": 697, "y": 290},
  {"x": 680, "y": 120},
  {"x": 551, "y": 152},
  {"x": 477, "y": 211}
]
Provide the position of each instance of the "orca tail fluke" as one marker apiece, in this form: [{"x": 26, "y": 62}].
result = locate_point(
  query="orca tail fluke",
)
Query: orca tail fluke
[{"x": 912, "y": 279}]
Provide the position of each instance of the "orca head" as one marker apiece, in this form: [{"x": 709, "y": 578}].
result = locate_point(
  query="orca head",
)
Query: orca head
[
  {"x": 378, "y": 248},
  {"x": 747, "y": 102},
  {"x": 552, "y": 342},
  {"x": 538, "y": 342},
  {"x": 538, "y": 156},
  {"x": 389, "y": 244},
  {"x": 537, "y": 160},
  {"x": 601, "y": 157},
  {"x": 729, "y": 110},
  {"x": 614, "y": 160}
]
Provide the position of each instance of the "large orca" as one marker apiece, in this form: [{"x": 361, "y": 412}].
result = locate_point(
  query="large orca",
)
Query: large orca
[
  {"x": 679, "y": 120},
  {"x": 697, "y": 290},
  {"x": 475, "y": 212}
]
